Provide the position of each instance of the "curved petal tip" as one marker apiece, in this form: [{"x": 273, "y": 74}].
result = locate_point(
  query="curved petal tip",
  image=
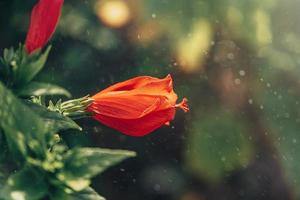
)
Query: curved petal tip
[{"x": 183, "y": 105}]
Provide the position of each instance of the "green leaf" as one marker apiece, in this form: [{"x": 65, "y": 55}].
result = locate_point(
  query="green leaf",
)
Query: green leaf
[
  {"x": 217, "y": 145},
  {"x": 58, "y": 193},
  {"x": 54, "y": 121},
  {"x": 24, "y": 131},
  {"x": 42, "y": 89},
  {"x": 27, "y": 184},
  {"x": 19, "y": 68},
  {"x": 81, "y": 164},
  {"x": 87, "y": 194}
]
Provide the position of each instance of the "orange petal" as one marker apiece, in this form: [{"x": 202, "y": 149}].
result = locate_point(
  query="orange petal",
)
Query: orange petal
[
  {"x": 130, "y": 84},
  {"x": 160, "y": 87},
  {"x": 126, "y": 107},
  {"x": 143, "y": 85},
  {"x": 141, "y": 126}
]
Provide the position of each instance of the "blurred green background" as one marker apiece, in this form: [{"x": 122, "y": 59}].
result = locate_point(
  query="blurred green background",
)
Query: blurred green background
[{"x": 236, "y": 61}]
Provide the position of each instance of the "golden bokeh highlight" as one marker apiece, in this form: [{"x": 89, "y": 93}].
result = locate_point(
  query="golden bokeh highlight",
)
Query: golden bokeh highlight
[
  {"x": 192, "y": 49},
  {"x": 235, "y": 21},
  {"x": 113, "y": 13},
  {"x": 263, "y": 27},
  {"x": 234, "y": 16}
]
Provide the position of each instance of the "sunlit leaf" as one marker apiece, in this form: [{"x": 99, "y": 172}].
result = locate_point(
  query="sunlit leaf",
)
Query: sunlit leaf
[
  {"x": 24, "y": 130},
  {"x": 42, "y": 89},
  {"x": 87, "y": 194},
  {"x": 81, "y": 164},
  {"x": 27, "y": 184},
  {"x": 54, "y": 121}
]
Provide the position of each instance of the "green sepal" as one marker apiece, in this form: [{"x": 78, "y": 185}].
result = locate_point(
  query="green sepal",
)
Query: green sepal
[
  {"x": 30, "y": 66},
  {"x": 19, "y": 68}
]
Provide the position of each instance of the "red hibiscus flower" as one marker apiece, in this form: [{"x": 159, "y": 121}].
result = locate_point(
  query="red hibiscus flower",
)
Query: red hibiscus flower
[
  {"x": 137, "y": 106},
  {"x": 43, "y": 21}
]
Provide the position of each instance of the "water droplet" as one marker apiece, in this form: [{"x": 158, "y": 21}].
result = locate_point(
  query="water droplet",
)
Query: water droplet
[
  {"x": 261, "y": 107},
  {"x": 250, "y": 101},
  {"x": 157, "y": 187},
  {"x": 242, "y": 73},
  {"x": 266, "y": 133},
  {"x": 237, "y": 81},
  {"x": 153, "y": 15},
  {"x": 230, "y": 56}
]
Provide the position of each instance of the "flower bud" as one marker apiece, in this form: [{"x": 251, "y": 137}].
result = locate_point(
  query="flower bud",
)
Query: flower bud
[
  {"x": 137, "y": 106},
  {"x": 44, "y": 18}
]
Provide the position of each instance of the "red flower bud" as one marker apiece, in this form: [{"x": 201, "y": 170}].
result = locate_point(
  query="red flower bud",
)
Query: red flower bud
[
  {"x": 137, "y": 106},
  {"x": 43, "y": 21}
]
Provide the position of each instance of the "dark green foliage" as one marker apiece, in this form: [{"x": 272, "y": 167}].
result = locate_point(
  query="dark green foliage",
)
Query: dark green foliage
[
  {"x": 34, "y": 161},
  {"x": 24, "y": 130},
  {"x": 27, "y": 183},
  {"x": 53, "y": 120},
  {"x": 3, "y": 147},
  {"x": 42, "y": 161},
  {"x": 83, "y": 163},
  {"x": 18, "y": 69},
  {"x": 21, "y": 68}
]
